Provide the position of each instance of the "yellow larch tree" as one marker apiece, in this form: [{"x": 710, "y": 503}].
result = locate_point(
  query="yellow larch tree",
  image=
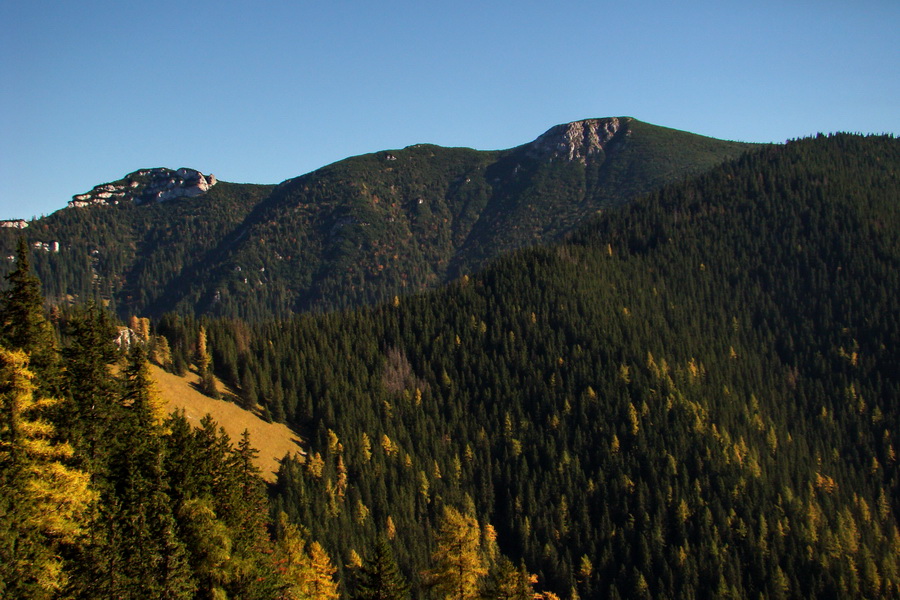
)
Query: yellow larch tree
[
  {"x": 458, "y": 561},
  {"x": 44, "y": 502},
  {"x": 306, "y": 569}
]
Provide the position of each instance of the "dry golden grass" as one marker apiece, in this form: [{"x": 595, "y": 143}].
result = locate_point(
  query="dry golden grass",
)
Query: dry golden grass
[{"x": 273, "y": 440}]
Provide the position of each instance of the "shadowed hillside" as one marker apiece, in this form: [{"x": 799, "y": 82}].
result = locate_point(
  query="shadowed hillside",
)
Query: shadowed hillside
[
  {"x": 356, "y": 232},
  {"x": 694, "y": 396}
]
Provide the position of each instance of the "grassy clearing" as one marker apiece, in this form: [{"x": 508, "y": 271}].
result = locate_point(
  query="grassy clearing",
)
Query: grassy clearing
[{"x": 273, "y": 440}]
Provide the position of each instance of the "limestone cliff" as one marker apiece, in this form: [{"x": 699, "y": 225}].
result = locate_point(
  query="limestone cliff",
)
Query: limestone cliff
[
  {"x": 579, "y": 140},
  {"x": 148, "y": 185}
]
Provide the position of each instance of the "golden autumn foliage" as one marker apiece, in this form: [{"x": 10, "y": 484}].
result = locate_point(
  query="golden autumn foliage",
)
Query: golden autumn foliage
[
  {"x": 202, "y": 357},
  {"x": 390, "y": 528},
  {"x": 458, "y": 562},
  {"x": 306, "y": 568},
  {"x": 49, "y": 498}
]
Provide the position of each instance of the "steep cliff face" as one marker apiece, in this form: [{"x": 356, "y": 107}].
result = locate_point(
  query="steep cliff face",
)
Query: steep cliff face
[
  {"x": 579, "y": 140},
  {"x": 147, "y": 185}
]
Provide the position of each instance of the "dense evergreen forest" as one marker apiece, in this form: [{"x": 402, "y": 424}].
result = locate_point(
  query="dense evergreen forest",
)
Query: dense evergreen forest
[
  {"x": 695, "y": 395},
  {"x": 356, "y": 232}
]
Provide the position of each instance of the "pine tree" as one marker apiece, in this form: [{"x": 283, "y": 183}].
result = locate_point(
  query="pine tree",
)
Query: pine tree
[
  {"x": 246, "y": 516},
  {"x": 140, "y": 396},
  {"x": 380, "y": 578},
  {"x": 220, "y": 504}
]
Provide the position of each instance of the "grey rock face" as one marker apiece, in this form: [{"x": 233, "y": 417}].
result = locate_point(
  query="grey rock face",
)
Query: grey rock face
[
  {"x": 578, "y": 140},
  {"x": 147, "y": 185}
]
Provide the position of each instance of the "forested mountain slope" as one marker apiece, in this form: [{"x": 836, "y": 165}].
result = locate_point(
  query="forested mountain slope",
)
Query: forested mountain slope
[
  {"x": 130, "y": 255},
  {"x": 695, "y": 396},
  {"x": 361, "y": 230}
]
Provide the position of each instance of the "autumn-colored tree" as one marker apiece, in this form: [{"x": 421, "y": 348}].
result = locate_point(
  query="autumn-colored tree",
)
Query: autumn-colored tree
[
  {"x": 390, "y": 530},
  {"x": 306, "y": 569},
  {"x": 203, "y": 359},
  {"x": 510, "y": 583},
  {"x": 160, "y": 352},
  {"x": 323, "y": 585},
  {"x": 44, "y": 502},
  {"x": 143, "y": 329},
  {"x": 458, "y": 564},
  {"x": 210, "y": 546},
  {"x": 291, "y": 561}
]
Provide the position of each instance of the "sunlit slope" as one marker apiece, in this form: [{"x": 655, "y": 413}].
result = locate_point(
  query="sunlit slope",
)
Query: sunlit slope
[{"x": 273, "y": 440}]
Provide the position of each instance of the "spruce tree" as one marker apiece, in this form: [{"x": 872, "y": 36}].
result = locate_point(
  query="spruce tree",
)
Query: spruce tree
[
  {"x": 23, "y": 325},
  {"x": 380, "y": 578},
  {"x": 92, "y": 392},
  {"x": 246, "y": 516},
  {"x": 145, "y": 558}
]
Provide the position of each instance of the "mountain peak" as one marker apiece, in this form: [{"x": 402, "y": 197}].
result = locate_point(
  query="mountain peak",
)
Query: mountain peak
[
  {"x": 579, "y": 140},
  {"x": 147, "y": 185}
]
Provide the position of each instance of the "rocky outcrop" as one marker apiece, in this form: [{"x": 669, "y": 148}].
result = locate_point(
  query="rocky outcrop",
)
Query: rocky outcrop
[
  {"x": 148, "y": 185},
  {"x": 578, "y": 140},
  {"x": 14, "y": 223},
  {"x": 46, "y": 246}
]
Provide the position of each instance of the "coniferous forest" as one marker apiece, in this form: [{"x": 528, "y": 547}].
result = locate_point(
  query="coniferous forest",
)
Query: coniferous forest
[
  {"x": 359, "y": 231},
  {"x": 694, "y": 395}
]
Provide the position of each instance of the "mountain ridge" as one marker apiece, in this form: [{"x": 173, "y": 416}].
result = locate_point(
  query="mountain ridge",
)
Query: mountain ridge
[
  {"x": 692, "y": 396},
  {"x": 576, "y": 140},
  {"x": 360, "y": 230}
]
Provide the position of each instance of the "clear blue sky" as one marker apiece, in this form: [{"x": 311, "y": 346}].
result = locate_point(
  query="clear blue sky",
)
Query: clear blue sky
[{"x": 266, "y": 90}]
